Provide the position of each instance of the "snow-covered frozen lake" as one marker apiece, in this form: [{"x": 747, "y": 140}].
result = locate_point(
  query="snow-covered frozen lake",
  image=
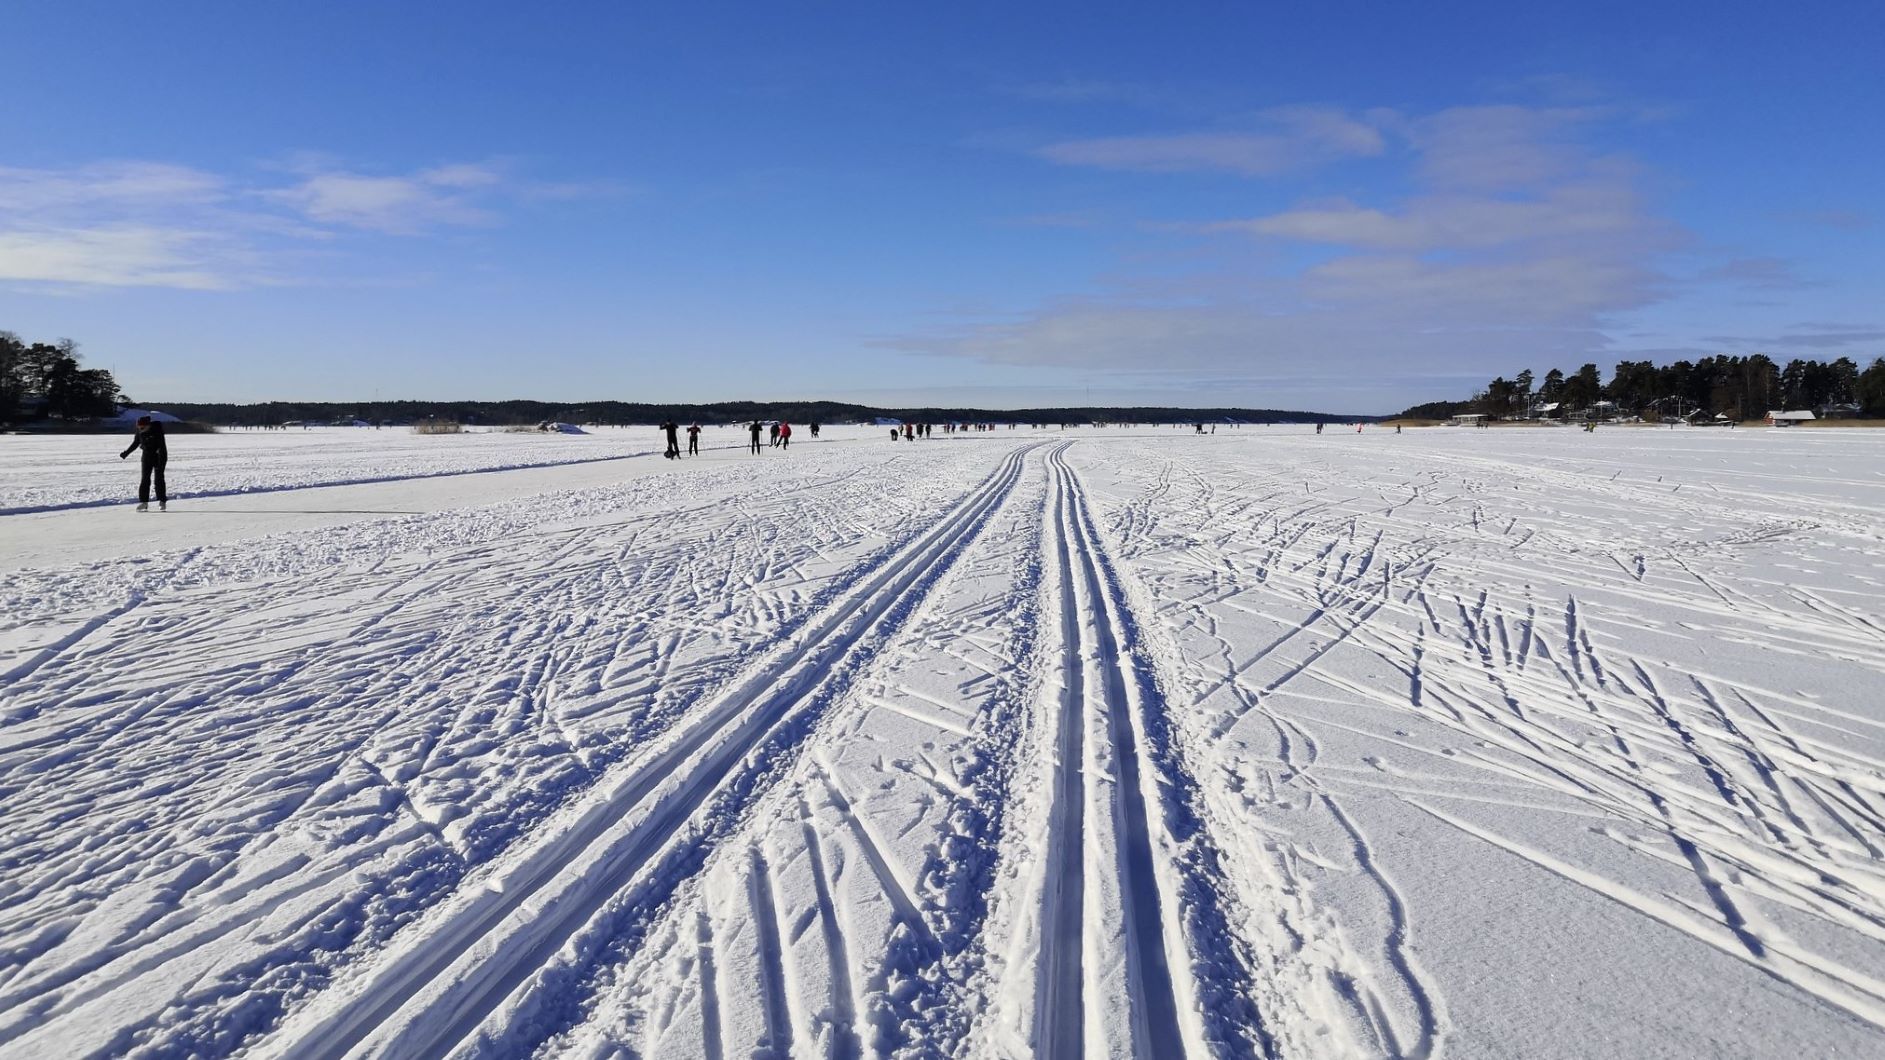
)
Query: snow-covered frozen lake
[
  {"x": 49, "y": 472},
  {"x": 1096, "y": 742}
]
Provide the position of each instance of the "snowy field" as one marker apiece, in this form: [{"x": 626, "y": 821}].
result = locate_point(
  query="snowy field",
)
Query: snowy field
[
  {"x": 1100, "y": 742},
  {"x": 50, "y": 472}
]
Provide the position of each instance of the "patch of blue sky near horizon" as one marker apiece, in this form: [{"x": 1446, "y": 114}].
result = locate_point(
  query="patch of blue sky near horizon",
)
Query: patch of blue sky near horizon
[{"x": 1351, "y": 208}]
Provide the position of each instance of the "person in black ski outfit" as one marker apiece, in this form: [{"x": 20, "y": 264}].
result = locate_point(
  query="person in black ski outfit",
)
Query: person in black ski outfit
[
  {"x": 755, "y": 430},
  {"x": 150, "y": 438},
  {"x": 693, "y": 439},
  {"x": 674, "y": 443}
]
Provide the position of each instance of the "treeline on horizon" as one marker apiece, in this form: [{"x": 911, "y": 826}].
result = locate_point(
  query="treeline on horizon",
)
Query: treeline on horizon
[
  {"x": 1738, "y": 388},
  {"x": 624, "y": 413},
  {"x": 43, "y": 380}
]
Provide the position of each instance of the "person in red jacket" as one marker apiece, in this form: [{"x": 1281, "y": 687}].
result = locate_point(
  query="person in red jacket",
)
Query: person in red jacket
[{"x": 785, "y": 434}]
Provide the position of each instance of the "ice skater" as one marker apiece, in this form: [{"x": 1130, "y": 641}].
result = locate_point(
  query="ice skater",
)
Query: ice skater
[{"x": 150, "y": 438}]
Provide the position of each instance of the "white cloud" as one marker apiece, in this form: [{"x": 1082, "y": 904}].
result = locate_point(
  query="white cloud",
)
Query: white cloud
[
  {"x": 1510, "y": 241},
  {"x": 1498, "y": 148},
  {"x": 395, "y": 205},
  {"x": 106, "y": 184},
  {"x": 121, "y": 256},
  {"x": 143, "y": 223},
  {"x": 1590, "y": 209},
  {"x": 1285, "y": 139}
]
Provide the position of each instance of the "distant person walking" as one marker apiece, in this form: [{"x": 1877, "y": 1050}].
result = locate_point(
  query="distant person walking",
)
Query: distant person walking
[
  {"x": 755, "y": 430},
  {"x": 150, "y": 438},
  {"x": 674, "y": 442},
  {"x": 693, "y": 439}
]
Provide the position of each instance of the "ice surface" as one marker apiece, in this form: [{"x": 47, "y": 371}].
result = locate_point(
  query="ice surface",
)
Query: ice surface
[{"x": 1474, "y": 743}]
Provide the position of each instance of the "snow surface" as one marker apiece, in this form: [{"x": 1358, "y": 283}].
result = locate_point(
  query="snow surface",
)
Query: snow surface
[
  {"x": 1099, "y": 742},
  {"x": 50, "y": 472}
]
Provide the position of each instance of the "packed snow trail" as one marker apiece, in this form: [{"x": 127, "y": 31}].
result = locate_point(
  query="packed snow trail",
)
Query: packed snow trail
[{"x": 1118, "y": 914}]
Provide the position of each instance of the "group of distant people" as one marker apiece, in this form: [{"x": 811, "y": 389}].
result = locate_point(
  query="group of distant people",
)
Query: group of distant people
[
  {"x": 150, "y": 440},
  {"x": 910, "y": 432},
  {"x": 778, "y": 432}
]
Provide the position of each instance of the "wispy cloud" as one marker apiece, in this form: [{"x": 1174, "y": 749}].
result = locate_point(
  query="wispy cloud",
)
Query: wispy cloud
[
  {"x": 113, "y": 256},
  {"x": 1767, "y": 274},
  {"x": 1806, "y": 337},
  {"x": 158, "y": 224},
  {"x": 397, "y": 205},
  {"x": 1280, "y": 140},
  {"x": 120, "y": 185},
  {"x": 1512, "y": 238}
]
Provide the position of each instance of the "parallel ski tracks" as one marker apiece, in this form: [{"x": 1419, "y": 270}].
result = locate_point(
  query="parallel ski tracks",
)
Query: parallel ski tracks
[
  {"x": 1097, "y": 700},
  {"x": 433, "y": 990}
]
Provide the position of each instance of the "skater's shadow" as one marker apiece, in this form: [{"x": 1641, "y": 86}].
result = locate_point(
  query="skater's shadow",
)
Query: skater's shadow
[{"x": 193, "y": 510}]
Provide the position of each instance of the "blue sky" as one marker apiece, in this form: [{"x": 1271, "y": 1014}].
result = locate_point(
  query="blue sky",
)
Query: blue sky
[{"x": 1338, "y": 206}]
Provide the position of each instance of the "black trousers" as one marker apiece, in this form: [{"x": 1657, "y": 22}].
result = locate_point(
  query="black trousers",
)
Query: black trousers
[
  {"x": 693, "y": 445},
  {"x": 152, "y": 466}
]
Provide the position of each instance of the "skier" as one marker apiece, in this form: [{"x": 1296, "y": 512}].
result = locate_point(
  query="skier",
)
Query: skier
[
  {"x": 693, "y": 439},
  {"x": 785, "y": 435},
  {"x": 814, "y": 430},
  {"x": 775, "y": 433},
  {"x": 674, "y": 443},
  {"x": 755, "y": 430},
  {"x": 150, "y": 438}
]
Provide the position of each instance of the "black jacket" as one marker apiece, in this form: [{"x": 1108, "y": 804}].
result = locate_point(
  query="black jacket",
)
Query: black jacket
[{"x": 151, "y": 440}]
